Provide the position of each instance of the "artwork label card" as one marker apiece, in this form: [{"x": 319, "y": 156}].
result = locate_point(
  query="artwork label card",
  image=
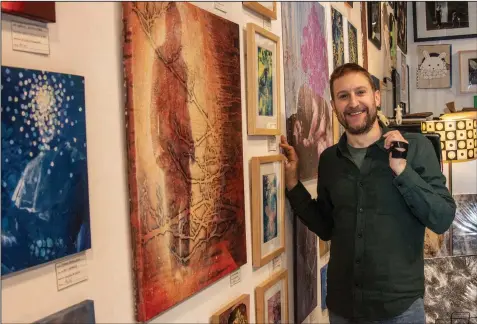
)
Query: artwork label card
[
  {"x": 71, "y": 272},
  {"x": 30, "y": 38}
]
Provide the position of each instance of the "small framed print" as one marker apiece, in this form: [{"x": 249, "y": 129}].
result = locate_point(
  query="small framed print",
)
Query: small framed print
[
  {"x": 237, "y": 311},
  {"x": 271, "y": 299},
  {"x": 374, "y": 23},
  {"x": 263, "y": 81},
  {"x": 468, "y": 71},
  {"x": 265, "y": 8},
  {"x": 404, "y": 79},
  {"x": 434, "y": 70},
  {"x": 268, "y": 203}
]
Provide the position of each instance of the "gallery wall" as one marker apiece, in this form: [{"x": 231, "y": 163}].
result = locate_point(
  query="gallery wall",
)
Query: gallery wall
[{"x": 87, "y": 40}]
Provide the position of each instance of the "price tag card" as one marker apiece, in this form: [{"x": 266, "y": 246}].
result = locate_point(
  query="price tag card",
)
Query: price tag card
[
  {"x": 235, "y": 277},
  {"x": 272, "y": 143},
  {"x": 267, "y": 24},
  {"x": 30, "y": 38},
  {"x": 71, "y": 271},
  {"x": 277, "y": 263},
  {"x": 220, "y": 6}
]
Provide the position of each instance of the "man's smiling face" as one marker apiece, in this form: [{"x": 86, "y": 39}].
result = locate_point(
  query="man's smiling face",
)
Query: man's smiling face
[{"x": 355, "y": 102}]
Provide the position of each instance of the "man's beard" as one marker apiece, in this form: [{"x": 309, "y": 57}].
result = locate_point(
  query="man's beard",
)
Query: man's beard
[{"x": 360, "y": 129}]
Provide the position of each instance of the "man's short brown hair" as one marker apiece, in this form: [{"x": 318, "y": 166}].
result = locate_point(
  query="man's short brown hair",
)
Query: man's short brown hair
[{"x": 344, "y": 69}]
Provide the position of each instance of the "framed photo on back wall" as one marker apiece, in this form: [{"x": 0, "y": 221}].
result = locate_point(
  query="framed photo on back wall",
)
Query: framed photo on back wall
[{"x": 444, "y": 20}]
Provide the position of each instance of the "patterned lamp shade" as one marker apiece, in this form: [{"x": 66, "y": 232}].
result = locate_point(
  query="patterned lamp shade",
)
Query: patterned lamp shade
[{"x": 458, "y": 138}]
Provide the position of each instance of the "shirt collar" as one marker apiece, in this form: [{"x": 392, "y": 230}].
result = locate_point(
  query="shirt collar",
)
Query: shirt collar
[{"x": 342, "y": 144}]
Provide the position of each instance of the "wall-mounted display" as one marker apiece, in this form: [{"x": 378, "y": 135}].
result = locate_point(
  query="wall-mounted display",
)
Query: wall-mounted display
[
  {"x": 185, "y": 157},
  {"x": 468, "y": 71},
  {"x": 393, "y": 40},
  {"x": 442, "y": 20},
  {"x": 338, "y": 38},
  {"x": 268, "y": 203},
  {"x": 43, "y": 11},
  {"x": 434, "y": 69},
  {"x": 263, "y": 81},
  {"x": 323, "y": 279},
  {"x": 364, "y": 33},
  {"x": 451, "y": 290},
  {"x": 79, "y": 313},
  {"x": 307, "y": 98},
  {"x": 353, "y": 43},
  {"x": 237, "y": 311},
  {"x": 271, "y": 299},
  {"x": 265, "y": 8},
  {"x": 374, "y": 23},
  {"x": 396, "y": 79},
  {"x": 401, "y": 18},
  {"x": 45, "y": 202}
]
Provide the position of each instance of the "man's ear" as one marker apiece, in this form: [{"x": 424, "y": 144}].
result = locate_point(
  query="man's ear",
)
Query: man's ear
[
  {"x": 377, "y": 98},
  {"x": 333, "y": 106}
]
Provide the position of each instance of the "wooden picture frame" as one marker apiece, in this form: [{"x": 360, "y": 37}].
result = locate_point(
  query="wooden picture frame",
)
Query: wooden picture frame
[
  {"x": 260, "y": 122},
  {"x": 364, "y": 41},
  {"x": 468, "y": 71},
  {"x": 262, "y": 295},
  {"x": 267, "y": 178},
  {"x": 257, "y": 6},
  {"x": 235, "y": 308},
  {"x": 374, "y": 18},
  {"x": 44, "y": 11},
  {"x": 427, "y": 28}
]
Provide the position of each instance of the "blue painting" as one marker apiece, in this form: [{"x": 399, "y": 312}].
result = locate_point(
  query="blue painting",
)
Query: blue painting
[
  {"x": 270, "y": 226},
  {"x": 323, "y": 273},
  {"x": 45, "y": 206},
  {"x": 79, "y": 313}
]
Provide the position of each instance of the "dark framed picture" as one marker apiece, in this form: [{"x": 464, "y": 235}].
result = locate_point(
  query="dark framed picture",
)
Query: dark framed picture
[
  {"x": 401, "y": 19},
  {"x": 374, "y": 23},
  {"x": 408, "y": 91},
  {"x": 443, "y": 20},
  {"x": 396, "y": 80},
  {"x": 349, "y": 3}
]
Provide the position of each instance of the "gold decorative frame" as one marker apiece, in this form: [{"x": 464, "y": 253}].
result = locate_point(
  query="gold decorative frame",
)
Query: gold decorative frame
[
  {"x": 260, "y": 296},
  {"x": 243, "y": 299},
  {"x": 261, "y": 9},
  {"x": 257, "y": 224},
  {"x": 252, "y": 83}
]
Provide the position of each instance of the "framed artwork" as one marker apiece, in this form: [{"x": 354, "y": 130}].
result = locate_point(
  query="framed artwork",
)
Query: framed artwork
[
  {"x": 393, "y": 40},
  {"x": 265, "y": 8},
  {"x": 324, "y": 279},
  {"x": 464, "y": 227},
  {"x": 451, "y": 289},
  {"x": 43, "y": 11},
  {"x": 268, "y": 203},
  {"x": 408, "y": 90},
  {"x": 401, "y": 18},
  {"x": 79, "y": 313},
  {"x": 353, "y": 43},
  {"x": 309, "y": 121},
  {"x": 338, "y": 38},
  {"x": 468, "y": 71},
  {"x": 434, "y": 69},
  {"x": 442, "y": 20},
  {"x": 263, "y": 81},
  {"x": 374, "y": 23},
  {"x": 271, "y": 299},
  {"x": 237, "y": 311},
  {"x": 305, "y": 270},
  {"x": 349, "y": 4},
  {"x": 186, "y": 183},
  {"x": 364, "y": 32},
  {"x": 45, "y": 201},
  {"x": 396, "y": 79},
  {"x": 404, "y": 79}
]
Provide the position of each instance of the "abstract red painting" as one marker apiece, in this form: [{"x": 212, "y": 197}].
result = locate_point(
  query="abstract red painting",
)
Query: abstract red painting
[
  {"x": 185, "y": 157},
  {"x": 42, "y": 10}
]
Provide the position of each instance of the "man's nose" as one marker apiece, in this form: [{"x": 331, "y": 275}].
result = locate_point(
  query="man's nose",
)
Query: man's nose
[{"x": 353, "y": 100}]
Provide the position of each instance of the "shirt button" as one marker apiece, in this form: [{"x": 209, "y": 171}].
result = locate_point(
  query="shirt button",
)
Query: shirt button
[
  {"x": 361, "y": 210},
  {"x": 360, "y": 235},
  {"x": 358, "y": 261},
  {"x": 360, "y": 184}
]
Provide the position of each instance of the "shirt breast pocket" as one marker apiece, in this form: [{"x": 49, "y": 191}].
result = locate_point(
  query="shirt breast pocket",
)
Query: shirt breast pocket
[{"x": 388, "y": 196}]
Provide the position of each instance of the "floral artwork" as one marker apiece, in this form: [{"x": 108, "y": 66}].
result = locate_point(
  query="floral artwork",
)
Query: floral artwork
[
  {"x": 265, "y": 79},
  {"x": 45, "y": 202},
  {"x": 185, "y": 158},
  {"x": 434, "y": 67},
  {"x": 338, "y": 38},
  {"x": 309, "y": 126},
  {"x": 270, "y": 207},
  {"x": 235, "y": 312}
]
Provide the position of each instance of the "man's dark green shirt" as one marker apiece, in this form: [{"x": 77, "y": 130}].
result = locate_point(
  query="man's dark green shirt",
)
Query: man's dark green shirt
[{"x": 376, "y": 222}]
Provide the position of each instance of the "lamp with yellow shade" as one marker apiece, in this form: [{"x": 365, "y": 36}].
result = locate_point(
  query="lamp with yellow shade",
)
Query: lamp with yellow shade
[{"x": 458, "y": 143}]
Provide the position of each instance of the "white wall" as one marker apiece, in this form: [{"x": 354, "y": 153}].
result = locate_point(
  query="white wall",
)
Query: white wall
[{"x": 464, "y": 174}]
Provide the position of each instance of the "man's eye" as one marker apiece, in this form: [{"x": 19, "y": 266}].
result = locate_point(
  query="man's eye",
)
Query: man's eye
[
  {"x": 361, "y": 92},
  {"x": 343, "y": 96}
]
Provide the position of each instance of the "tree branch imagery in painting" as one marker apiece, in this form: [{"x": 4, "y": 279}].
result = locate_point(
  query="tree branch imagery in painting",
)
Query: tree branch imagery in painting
[{"x": 184, "y": 128}]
